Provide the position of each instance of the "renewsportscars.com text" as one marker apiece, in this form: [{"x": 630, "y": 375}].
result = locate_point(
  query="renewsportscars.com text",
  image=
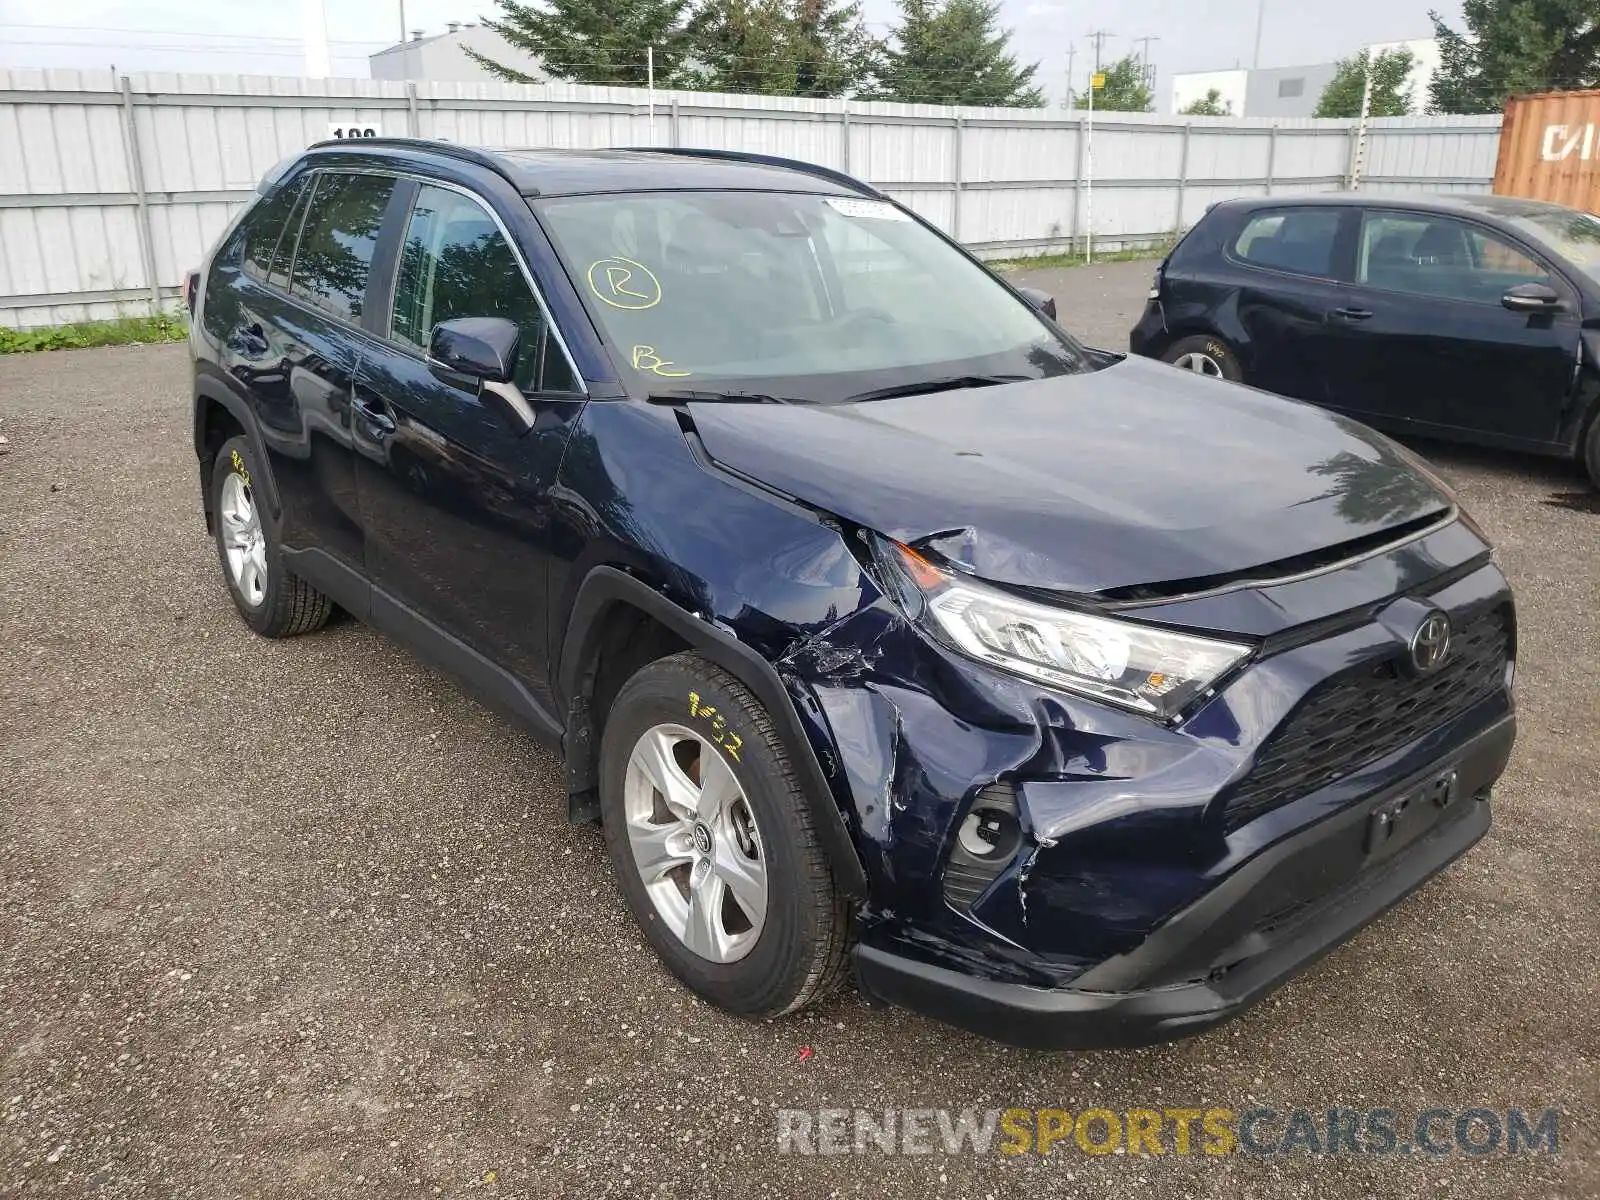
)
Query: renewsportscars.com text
[{"x": 1180, "y": 1131}]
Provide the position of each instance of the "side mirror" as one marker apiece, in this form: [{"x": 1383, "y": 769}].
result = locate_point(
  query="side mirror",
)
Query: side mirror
[
  {"x": 481, "y": 347},
  {"x": 483, "y": 351},
  {"x": 1043, "y": 301},
  {"x": 1533, "y": 298}
]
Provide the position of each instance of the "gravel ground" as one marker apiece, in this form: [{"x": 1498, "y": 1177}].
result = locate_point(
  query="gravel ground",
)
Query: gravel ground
[{"x": 299, "y": 918}]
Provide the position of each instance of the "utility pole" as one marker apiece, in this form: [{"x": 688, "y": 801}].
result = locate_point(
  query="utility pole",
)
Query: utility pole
[
  {"x": 1098, "y": 37},
  {"x": 1147, "y": 70},
  {"x": 1261, "y": 19},
  {"x": 1072, "y": 53}
]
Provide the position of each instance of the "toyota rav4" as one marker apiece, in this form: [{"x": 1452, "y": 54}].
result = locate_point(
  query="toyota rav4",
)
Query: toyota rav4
[{"x": 889, "y": 631}]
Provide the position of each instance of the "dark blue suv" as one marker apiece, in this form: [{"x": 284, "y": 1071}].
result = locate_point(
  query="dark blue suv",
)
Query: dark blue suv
[{"x": 887, "y": 629}]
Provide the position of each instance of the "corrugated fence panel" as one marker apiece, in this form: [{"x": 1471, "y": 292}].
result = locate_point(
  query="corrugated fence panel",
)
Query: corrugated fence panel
[{"x": 74, "y": 236}]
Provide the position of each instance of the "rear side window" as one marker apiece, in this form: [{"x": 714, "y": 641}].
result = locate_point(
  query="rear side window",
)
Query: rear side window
[
  {"x": 337, "y": 240},
  {"x": 264, "y": 228},
  {"x": 1295, "y": 239},
  {"x": 456, "y": 263}
]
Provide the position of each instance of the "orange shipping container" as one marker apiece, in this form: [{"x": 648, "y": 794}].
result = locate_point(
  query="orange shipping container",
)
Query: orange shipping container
[{"x": 1550, "y": 149}]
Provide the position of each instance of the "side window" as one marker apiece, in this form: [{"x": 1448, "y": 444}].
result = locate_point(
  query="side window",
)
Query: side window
[
  {"x": 283, "y": 257},
  {"x": 264, "y": 228},
  {"x": 1290, "y": 239},
  {"x": 456, "y": 263},
  {"x": 1439, "y": 256},
  {"x": 337, "y": 241}
]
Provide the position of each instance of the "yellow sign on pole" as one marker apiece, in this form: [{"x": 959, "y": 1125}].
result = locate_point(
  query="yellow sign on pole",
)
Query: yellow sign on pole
[{"x": 1098, "y": 81}]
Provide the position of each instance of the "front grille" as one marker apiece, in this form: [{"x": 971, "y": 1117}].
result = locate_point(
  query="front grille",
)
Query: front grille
[{"x": 1358, "y": 718}]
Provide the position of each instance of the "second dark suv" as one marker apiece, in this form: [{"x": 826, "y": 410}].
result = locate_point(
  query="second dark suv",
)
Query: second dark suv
[{"x": 886, "y": 628}]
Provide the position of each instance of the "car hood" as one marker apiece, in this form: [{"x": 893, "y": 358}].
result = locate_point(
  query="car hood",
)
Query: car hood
[{"x": 1133, "y": 475}]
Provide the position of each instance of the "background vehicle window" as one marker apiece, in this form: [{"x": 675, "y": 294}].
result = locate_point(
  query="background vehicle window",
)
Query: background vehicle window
[
  {"x": 1438, "y": 256},
  {"x": 456, "y": 263},
  {"x": 1295, "y": 239},
  {"x": 263, "y": 229},
  {"x": 337, "y": 241}
]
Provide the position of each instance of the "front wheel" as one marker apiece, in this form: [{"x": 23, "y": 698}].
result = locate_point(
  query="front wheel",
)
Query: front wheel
[
  {"x": 712, "y": 841},
  {"x": 1205, "y": 355}
]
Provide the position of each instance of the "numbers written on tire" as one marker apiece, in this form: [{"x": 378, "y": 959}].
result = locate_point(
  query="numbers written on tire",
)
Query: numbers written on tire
[{"x": 720, "y": 733}]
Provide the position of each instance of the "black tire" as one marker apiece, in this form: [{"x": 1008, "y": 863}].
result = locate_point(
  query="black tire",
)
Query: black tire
[
  {"x": 1210, "y": 348},
  {"x": 799, "y": 954},
  {"x": 1589, "y": 453},
  {"x": 288, "y": 605}
]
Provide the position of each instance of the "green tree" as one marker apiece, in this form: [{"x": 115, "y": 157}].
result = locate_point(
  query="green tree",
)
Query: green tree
[
  {"x": 781, "y": 48},
  {"x": 1126, "y": 89},
  {"x": 1209, "y": 105},
  {"x": 593, "y": 41},
  {"x": 1511, "y": 47},
  {"x": 1391, "y": 94},
  {"x": 951, "y": 52}
]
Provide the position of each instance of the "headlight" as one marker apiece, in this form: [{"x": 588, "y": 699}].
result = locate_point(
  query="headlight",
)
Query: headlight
[{"x": 1149, "y": 670}]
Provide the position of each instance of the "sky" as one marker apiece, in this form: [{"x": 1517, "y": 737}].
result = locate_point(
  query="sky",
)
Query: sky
[{"x": 242, "y": 37}]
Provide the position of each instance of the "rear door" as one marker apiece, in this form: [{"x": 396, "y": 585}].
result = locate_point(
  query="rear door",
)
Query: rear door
[
  {"x": 1284, "y": 264},
  {"x": 456, "y": 505},
  {"x": 1424, "y": 341},
  {"x": 293, "y": 342}
]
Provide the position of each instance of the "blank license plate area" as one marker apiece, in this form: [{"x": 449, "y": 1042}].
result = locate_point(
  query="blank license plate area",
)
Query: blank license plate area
[{"x": 1401, "y": 820}]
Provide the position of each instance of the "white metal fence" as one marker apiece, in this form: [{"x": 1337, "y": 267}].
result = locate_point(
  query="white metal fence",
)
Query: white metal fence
[{"x": 112, "y": 186}]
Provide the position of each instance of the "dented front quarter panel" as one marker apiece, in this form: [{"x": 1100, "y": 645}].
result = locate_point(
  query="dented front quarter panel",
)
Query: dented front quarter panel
[{"x": 1119, "y": 814}]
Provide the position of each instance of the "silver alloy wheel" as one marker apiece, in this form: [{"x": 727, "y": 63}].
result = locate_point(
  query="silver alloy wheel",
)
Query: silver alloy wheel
[
  {"x": 1200, "y": 364},
  {"x": 695, "y": 842},
  {"x": 244, "y": 542}
]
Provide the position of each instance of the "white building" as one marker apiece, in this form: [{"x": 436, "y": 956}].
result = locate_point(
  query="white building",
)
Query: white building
[
  {"x": 1295, "y": 91},
  {"x": 444, "y": 58}
]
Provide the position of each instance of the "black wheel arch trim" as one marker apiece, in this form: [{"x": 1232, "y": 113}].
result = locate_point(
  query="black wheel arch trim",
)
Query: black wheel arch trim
[
  {"x": 216, "y": 392},
  {"x": 607, "y": 586}
]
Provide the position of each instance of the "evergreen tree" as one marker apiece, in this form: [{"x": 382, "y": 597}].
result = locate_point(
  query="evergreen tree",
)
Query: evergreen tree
[
  {"x": 1125, "y": 89},
  {"x": 593, "y": 41},
  {"x": 951, "y": 52},
  {"x": 1209, "y": 105},
  {"x": 1391, "y": 93},
  {"x": 780, "y": 48},
  {"x": 1511, "y": 47}
]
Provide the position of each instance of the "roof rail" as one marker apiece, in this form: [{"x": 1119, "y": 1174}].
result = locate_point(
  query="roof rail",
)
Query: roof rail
[
  {"x": 768, "y": 160},
  {"x": 471, "y": 154}
]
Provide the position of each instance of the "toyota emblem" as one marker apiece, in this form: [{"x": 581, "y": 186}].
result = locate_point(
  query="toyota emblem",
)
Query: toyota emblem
[{"x": 1430, "y": 644}]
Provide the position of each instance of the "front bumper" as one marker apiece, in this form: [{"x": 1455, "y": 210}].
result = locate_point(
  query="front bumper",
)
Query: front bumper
[{"x": 1234, "y": 953}]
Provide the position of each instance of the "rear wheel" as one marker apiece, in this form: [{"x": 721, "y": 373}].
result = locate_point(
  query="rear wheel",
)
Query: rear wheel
[
  {"x": 712, "y": 842},
  {"x": 272, "y": 601},
  {"x": 1205, "y": 355}
]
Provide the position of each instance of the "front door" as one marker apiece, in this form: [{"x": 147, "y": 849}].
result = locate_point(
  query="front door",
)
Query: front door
[
  {"x": 1425, "y": 342},
  {"x": 455, "y": 504}
]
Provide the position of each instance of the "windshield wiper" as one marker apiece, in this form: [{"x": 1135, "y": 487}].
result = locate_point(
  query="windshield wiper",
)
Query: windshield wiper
[
  {"x": 679, "y": 395},
  {"x": 946, "y": 383}
]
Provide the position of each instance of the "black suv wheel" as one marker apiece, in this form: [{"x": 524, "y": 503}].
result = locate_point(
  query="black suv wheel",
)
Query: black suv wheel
[
  {"x": 272, "y": 601},
  {"x": 712, "y": 842}
]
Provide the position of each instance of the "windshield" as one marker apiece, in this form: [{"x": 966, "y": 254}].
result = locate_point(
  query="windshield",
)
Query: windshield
[
  {"x": 1573, "y": 235},
  {"x": 797, "y": 296}
]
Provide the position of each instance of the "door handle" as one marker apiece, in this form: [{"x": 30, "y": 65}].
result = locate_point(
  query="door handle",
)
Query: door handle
[
  {"x": 1351, "y": 314},
  {"x": 381, "y": 422}
]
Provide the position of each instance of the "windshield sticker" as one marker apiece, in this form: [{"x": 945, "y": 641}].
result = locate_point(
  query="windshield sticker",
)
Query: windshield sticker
[
  {"x": 623, "y": 283},
  {"x": 646, "y": 359},
  {"x": 879, "y": 210}
]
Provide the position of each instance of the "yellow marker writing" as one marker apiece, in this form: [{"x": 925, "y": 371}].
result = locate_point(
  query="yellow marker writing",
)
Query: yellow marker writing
[
  {"x": 645, "y": 359},
  {"x": 624, "y": 283}
]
